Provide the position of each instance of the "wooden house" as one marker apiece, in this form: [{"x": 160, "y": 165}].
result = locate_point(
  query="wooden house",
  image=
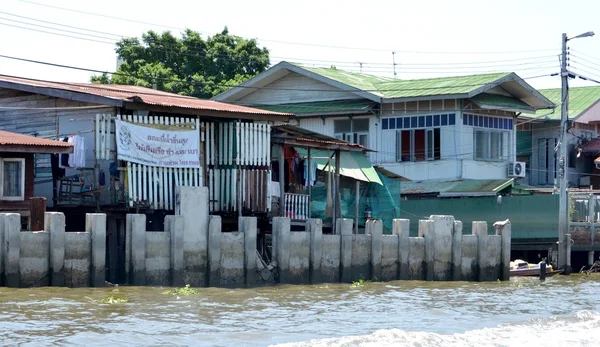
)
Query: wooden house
[
  {"x": 17, "y": 174},
  {"x": 230, "y": 148}
]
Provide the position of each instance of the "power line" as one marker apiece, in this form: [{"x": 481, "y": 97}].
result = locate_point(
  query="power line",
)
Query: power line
[
  {"x": 189, "y": 81},
  {"x": 60, "y": 24},
  {"x": 57, "y": 29},
  {"x": 48, "y": 32},
  {"x": 377, "y": 65},
  {"x": 287, "y": 42}
]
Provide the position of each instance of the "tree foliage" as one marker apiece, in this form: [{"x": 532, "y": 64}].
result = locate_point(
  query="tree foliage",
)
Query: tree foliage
[{"x": 189, "y": 65}]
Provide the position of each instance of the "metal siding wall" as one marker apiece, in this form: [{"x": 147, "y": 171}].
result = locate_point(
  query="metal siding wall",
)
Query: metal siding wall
[
  {"x": 296, "y": 88},
  {"x": 531, "y": 217},
  {"x": 316, "y": 125}
]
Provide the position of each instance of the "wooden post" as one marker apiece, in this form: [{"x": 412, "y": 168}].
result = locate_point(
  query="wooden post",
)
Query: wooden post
[
  {"x": 310, "y": 178},
  {"x": 281, "y": 182},
  {"x": 337, "y": 202},
  {"x": 36, "y": 215},
  {"x": 356, "y": 205},
  {"x": 543, "y": 270}
]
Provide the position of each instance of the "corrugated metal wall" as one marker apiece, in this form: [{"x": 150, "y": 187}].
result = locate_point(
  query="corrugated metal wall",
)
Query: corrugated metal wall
[{"x": 531, "y": 217}]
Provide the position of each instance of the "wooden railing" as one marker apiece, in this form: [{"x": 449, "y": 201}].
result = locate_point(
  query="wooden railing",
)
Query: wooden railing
[{"x": 297, "y": 206}]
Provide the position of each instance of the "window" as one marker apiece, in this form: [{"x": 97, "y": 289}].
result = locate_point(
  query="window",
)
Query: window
[
  {"x": 355, "y": 130},
  {"x": 12, "y": 173},
  {"x": 409, "y": 122},
  {"x": 491, "y": 145},
  {"x": 418, "y": 145}
]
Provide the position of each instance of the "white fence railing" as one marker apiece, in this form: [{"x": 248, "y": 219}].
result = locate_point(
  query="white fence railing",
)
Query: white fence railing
[{"x": 297, "y": 206}]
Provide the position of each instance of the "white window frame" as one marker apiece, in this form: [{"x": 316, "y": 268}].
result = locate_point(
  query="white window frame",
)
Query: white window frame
[
  {"x": 429, "y": 151},
  {"x": 504, "y": 145},
  {"x": 350, "y": 135},
  {"x": 12, "y": 198}
]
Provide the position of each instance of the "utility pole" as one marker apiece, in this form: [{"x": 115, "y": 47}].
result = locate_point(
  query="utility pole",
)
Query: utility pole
[{"x": 563, "y": 215}]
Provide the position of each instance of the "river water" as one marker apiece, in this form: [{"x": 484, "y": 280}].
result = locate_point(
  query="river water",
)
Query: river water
[{"x": 563, "y": 311}]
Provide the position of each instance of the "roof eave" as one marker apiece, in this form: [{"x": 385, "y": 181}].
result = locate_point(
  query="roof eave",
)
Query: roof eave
[
  {"x": 208, "y": 113},
  {"x": 425, "y": 98},
  {"x": 317, "y": 145},
  {"x": 25, "y": 148},
  {"x": 63, "y": 94},
  {"x": 546, "y": 103}
]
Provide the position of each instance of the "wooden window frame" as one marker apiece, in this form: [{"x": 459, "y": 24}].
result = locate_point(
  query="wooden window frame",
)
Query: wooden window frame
[{"x": 21, "y": 197}]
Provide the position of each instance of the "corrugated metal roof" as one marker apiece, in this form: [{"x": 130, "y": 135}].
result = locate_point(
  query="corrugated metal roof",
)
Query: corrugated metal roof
[
  {"x": 455, "y": 187},
  {"x": 298, "y": 134},
  {"x": 592, "y": 146},
  {"x": 13, "y": 139},
  {"x": 127, "y": 93},
  {"x": 394, "y": 88},
  {"x": 580, "y": 99},
  {"x": 322, "y": 107},
  {"x": 500, "y": 102}
]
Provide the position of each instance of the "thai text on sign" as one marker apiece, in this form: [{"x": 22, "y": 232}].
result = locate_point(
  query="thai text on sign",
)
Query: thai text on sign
[{"x": 157, "y": 147}]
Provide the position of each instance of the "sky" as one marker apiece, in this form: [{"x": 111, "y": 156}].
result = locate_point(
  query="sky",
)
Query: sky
[{"x": 429, "y": 38}]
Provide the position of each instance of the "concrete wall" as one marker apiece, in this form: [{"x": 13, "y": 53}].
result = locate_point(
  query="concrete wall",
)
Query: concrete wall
[
  {"x": 52, "y": 257},
  {"x": 186, "y": 253},
  {"x": 78, "y": 246}
]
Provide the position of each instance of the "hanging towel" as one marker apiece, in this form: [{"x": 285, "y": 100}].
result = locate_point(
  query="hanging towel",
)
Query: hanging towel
[{"x": 77, "y": 159}]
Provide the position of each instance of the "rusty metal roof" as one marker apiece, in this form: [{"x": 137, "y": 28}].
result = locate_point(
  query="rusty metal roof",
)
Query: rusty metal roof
[
  {"x": 290, "y": 133},
  {"x": 592, "y": 146},
  {"x": 13, "y": 142},
  {"x": 124, "y": 94}
]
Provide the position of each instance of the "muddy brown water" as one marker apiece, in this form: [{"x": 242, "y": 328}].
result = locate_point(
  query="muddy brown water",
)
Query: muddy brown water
[{"x": 564, "y": 310}]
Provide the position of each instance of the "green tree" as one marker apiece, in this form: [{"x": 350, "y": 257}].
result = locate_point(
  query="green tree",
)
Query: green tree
[{"x": 189, "y": 65}]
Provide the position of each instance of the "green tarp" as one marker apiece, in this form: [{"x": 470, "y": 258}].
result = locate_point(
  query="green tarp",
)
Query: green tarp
[{"x": 352, "y": 164}]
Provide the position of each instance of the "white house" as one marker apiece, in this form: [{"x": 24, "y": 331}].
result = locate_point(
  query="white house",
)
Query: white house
[
  {"x": 538, "y": 135},
  {"x": 427, "y": 129}
]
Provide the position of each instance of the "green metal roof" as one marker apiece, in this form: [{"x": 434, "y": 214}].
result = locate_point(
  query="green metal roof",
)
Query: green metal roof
[
  {"x": 464, "y": 187},
  {"x": 322, "y": 107},
  {"x": 580, "y": 99},
  {"x": 391, "y": 88},
  {"x": 500, "y": 102}
]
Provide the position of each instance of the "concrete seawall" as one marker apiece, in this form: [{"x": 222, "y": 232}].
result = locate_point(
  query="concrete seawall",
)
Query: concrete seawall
[{"x": 194, "y": 250}]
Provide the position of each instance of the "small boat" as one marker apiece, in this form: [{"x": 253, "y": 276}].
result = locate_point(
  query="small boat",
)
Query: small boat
[{"x": 523, "y": 268}]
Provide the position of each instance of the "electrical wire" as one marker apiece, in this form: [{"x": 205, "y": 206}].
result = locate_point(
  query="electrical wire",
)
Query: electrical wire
[
  {"x": 129, "y": 20},
  {"x": 191, "y": 82}
]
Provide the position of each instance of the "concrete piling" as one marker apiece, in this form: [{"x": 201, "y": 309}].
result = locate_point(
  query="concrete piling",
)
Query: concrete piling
[
  {"x": 401, "y": 228},
  {"x": 136, "y": 244},
  {"x": 315, "y": 227},
  {"x": 214, "y": 251},
  {"x": 504, "y": 229},
  {"x": 457, "y": 244},
  {"x": 54, "y": 223},
  {"x": 344, "y": 229},
  {"x": 427, "y": 231},
  {"x": 569, "y": 244},
  {"x": 192, "y": 204},
  {"x": 186, "y": 252},
  {"x": 480, "y": 229},
  {"x": 95, "y": 224},
  {"x": 374, "y": 227},
  {"x": 281, "y": 228},
  {"x": 174, "y": 225},
  {"x": 442, "y": 244},
  {"x": 11, "y": 248},
  {"x": 247, "y": 226}
]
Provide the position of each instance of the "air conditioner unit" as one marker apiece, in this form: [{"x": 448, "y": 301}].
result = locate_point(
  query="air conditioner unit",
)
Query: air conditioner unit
[{"x": 516, "y": 169}]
